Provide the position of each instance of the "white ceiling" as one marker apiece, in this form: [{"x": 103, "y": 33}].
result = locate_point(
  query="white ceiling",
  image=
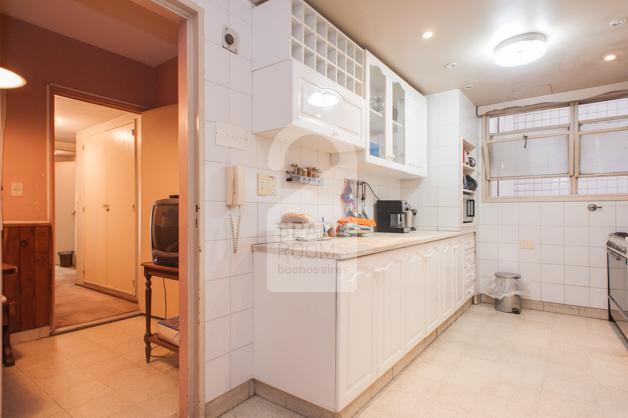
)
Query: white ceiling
[
  {"x": 123, "y": 27},
  {"x": 466, "y": 32},
  {"x": 72, "y": 116}
]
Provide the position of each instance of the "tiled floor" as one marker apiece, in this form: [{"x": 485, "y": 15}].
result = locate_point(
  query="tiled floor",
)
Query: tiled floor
[
  {"x": 491, "y": 364},
  {"x": 95, "y": 372}
]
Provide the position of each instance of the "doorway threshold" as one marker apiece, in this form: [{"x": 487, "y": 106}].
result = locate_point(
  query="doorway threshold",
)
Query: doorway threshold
[{"x": 96, "y": 322}]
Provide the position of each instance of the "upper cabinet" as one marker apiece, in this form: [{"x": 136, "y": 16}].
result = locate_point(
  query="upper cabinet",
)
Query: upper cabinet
[
  {"x": 307, "y": 76},
  {"x": 396, "y": 122}
]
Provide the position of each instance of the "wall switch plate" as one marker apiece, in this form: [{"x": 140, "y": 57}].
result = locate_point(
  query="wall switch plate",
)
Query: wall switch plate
[
  {"x": 17, "y": 189},
  {"x": 231, "y": 136},
  {"x": 526, "y": 245},
  {"x": 266, "y": 185}
]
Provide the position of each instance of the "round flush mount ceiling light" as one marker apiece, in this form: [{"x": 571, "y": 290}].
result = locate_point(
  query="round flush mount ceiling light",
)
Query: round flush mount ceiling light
[
  {"x": 521, "y": 49},
  {"x": 451, "y": 65},
  {"x": 427, "y": 35},
  {"x": 468, "y": 86},
  {"x": 617, "y": 22},
  {"x": 610, "y": 57},
  {"x": 10, "y": 80},
  {"x": 323, "y": 99}
]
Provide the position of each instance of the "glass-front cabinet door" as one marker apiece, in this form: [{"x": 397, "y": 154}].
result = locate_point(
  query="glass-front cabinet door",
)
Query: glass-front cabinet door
[
  {"x": 377, "y": 112},
  {"x": 398, "y": 154},
  {"x": 396, "y": 122}
]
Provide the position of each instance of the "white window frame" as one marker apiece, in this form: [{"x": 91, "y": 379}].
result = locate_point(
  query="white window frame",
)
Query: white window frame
[{"x": 573, "y": 131}]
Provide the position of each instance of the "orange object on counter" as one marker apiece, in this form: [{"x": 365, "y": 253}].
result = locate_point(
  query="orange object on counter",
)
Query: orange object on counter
[{"x": 358, "y": 221}]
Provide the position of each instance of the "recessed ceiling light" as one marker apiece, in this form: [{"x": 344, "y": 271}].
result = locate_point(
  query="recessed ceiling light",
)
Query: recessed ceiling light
[
  {"x": 10, "y": 80},
  {"x": 610, "y": 57},
  {"x": 427, "y": 35},
  {"x": 617, "y": 22},
  {"x": 521, "y": 49},
  {"x": 468, "y": 86},
  {"x": 451, "y": 65}
]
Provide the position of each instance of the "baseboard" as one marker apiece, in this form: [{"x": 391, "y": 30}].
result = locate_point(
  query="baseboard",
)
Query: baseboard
[
  {"x": 308, "y": 409},
  {"x": 561, "y": 308},
  {"x": 106, "y": 290},
  {"x": 29, "y": 335},
  {"x": 230, "y": 400}
]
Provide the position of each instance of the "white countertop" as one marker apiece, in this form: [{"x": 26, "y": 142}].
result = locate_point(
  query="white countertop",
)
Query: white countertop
[{"x": 345, "y": 248}]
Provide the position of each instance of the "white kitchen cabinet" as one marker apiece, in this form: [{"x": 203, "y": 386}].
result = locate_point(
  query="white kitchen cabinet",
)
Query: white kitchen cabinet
[
  {"x": 414, "y": 277},
  {"x": 396, "y": 123},
  {"x": 357, "y": 299},
  {"x": 389, "y": 315},
  {"x": 431, "y": 301},
  {"x": 311, "y": 73},
  {"x": 329, "y": 347}
]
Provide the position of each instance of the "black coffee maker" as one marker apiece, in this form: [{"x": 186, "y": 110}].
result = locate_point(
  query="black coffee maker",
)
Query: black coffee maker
[{"x": 394, "y": 216}]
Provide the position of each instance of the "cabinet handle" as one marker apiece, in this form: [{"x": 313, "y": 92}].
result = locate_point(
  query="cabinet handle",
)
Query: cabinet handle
[{"x": 23, "y": 243}]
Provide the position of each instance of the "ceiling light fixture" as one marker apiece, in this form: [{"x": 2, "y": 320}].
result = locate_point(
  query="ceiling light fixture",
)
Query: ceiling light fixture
[
  {"x": 610, "y": 57},
  {"x": 617, "y": 22},
  {"x": 427, "y": 35},
  {"x": 521, "y": 49},
  {"x": 10, "y": 80},
  {"x": 468, "y": 86},
  {"x": 451, "y": 65}
]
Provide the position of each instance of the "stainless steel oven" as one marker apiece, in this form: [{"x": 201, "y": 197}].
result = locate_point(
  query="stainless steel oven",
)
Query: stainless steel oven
[
  {"x": 618, "y": 286},
  {"x": 468, "y": 209}
]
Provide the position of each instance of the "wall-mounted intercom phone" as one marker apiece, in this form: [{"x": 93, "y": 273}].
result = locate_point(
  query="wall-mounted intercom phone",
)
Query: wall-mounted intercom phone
[{"x": 235, "y": 199}]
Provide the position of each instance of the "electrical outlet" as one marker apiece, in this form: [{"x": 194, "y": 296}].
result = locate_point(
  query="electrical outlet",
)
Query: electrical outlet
[
  {"x": 266, "y": 185},
  {"x": 526, "y": 245},
  {"x": 17, "y": 189}
]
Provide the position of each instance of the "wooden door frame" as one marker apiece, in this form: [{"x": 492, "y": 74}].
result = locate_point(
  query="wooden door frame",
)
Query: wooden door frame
[{"x": 190, "y": 99}]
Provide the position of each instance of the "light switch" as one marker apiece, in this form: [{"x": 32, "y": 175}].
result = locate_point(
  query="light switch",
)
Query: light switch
[
  {"x": 266, "y": 185},
  {"x": 17, "y": 188},
  {"x": 526, "y": 245}
]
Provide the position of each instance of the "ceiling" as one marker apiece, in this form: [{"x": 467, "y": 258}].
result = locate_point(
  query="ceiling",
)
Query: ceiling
[
  {"x": 72, "y": 116},
  {"x": 466, "y": 32},
  {"x": 135, "y": 29}
]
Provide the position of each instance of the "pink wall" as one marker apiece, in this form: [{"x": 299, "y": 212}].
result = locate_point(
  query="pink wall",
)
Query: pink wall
[{"x": 44, "y": 57}]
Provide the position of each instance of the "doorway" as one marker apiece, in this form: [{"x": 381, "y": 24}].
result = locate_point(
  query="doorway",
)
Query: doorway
[
  {"x": 189, "y": 37},
  {"x": 95, "y": 201}
]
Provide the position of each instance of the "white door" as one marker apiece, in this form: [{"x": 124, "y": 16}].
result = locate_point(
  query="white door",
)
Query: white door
[
  {"x": 458, "y": 274},
  {"x": 356, "y": 329},
  {"x": 94, "y": 209},
  {"x": 121, "y": 215},
  {"x": 413, "y": 276},
  {"x": 108, "y": 178},
  {"x": 446, "y": 278},
  {"x": 389, "y": 317},
  {"x": 416, "y": 142},
  {"x": 432, "y": 288}
]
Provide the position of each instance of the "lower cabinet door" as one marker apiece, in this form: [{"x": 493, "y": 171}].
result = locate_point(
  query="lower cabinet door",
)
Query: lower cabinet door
[
  {"x": 388, "y": 313},
  {"x": 447, "y": 279},
  {"x": 356, "y": 333},
  {"x": 414, "y": 277},
  {"x": 431, "y": 300},
  {"x": 458, "y": 255}
]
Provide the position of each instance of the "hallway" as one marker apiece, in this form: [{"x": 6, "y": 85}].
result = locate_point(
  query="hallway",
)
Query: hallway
[{"x": 76, "y": 305}]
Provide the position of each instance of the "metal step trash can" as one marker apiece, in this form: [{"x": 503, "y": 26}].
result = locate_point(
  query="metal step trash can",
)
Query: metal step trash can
[{"x": 511, "y": 301}]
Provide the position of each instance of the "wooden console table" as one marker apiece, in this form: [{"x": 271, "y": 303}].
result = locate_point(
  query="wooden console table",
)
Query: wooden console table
[{"x": 151, "y": 269}]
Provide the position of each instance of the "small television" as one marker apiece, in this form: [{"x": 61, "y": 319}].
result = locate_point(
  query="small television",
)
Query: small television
[{"x": 164, "y": 232}]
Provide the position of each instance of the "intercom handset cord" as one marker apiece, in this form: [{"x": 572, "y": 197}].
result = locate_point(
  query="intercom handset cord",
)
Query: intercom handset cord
[{"x": 235, "y": 230}]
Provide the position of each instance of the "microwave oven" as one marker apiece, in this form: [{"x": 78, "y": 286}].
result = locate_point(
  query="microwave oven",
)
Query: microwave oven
[{"x": 468, "y": 209}]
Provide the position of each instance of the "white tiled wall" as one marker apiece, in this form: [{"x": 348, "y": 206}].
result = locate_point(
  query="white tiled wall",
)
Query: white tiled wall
[
  {"x": 229, "y": 277},
  {"x": 567, "y": 263}
]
